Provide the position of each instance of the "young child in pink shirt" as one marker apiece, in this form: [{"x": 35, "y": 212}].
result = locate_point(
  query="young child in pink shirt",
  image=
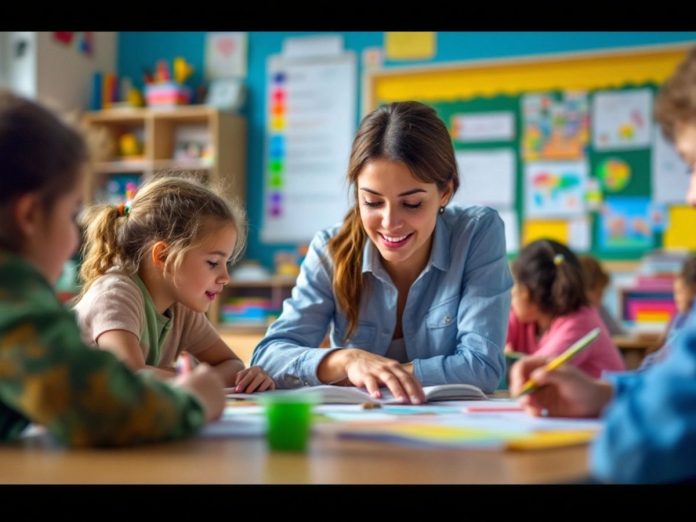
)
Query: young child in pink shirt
[{"x": 550, "y": 310}]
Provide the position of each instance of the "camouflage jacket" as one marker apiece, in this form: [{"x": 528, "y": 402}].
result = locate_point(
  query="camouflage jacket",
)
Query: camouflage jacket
[{"x": 83, "y": 396}]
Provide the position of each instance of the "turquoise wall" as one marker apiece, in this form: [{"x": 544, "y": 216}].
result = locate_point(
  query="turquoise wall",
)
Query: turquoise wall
[{"x": 137, "y": 50}]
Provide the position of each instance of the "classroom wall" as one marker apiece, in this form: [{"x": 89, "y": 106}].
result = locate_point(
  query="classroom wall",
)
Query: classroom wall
[
  {"x": 64, "y": 73},
  {"x": 137, "y": 50}
]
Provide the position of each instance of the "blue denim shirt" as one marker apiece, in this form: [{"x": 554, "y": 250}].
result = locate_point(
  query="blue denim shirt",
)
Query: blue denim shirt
[
  {"x": 454, "y": 322},
  {"x": 650, "y": 430}
]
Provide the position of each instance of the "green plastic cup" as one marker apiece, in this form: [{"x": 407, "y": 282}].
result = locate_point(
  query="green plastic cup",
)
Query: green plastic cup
[{"x": 289, "y": 419}]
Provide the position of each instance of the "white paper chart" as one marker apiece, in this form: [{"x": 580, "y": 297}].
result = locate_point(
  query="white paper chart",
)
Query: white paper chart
[{"x": 310, "y": 122}]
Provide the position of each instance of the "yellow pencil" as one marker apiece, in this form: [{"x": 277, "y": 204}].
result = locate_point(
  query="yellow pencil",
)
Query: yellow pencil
[{"x": 531, "y": 385}]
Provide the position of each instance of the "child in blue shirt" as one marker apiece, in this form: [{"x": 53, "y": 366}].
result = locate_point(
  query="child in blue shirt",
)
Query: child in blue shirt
[
  {"x": 650, "y": 417},
  {"x": 412, "y": 291},
  {"x": 684, "y": 294}
]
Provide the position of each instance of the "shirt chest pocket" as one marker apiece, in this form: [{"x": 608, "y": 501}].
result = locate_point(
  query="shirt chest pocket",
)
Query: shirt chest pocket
[{"x": 443, "y": 315}]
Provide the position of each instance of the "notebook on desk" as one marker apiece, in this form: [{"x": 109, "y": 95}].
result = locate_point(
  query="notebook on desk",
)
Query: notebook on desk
[{"x": 330, "y": 394}]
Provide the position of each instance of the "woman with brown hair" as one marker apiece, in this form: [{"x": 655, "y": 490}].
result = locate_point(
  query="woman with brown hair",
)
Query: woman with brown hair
[{"x": 413, "y": 292}]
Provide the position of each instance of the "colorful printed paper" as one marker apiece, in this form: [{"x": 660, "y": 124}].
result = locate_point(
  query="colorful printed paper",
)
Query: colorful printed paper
[
  {"x": 622, "y": 119},
  {"x": 625, "y": 224},
  {"x": 555, "y": 189},
  {"x": 670, "y": 174},
  {"x": 555, "y": 128},
  {"x": 614, "y": 173}
]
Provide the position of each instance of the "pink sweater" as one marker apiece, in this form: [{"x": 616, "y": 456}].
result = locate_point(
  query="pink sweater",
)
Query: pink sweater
[{"x": 565, "y": 330}]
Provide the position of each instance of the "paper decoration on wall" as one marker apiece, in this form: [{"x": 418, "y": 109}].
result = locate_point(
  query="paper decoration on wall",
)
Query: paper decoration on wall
[
  {"x": 670, "y": 174},
  {"x": 372, "y": 57},
  {"x": 402, "y": 45},
  {"x": 622, "y": 120},
  {"x": 659, "y": 216},
  {"x": 86, "y": 43},
  {"x": 680, "y": 233},
  {"x": 593, "y": 194},
  {"x": 555, "y": 127},
  {"x": 512, "y": 235},
  {"x": 64, "y": 37},
  {"x": 614, "y": 173},
  {"x": 483, "y": 126},
  {"x": 572, "y": 232},
  {"x": 488, "y": 177},
  {"x": 226, "y": 55},
  {"x": 625, "y": 224},
  {"x": 555, "y": 189}
]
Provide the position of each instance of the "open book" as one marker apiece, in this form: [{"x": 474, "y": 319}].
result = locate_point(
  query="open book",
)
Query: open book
[{"x": 329, "y": 394}]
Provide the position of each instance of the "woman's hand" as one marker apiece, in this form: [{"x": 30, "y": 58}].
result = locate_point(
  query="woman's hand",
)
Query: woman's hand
[{"x": 367, "y": 370}]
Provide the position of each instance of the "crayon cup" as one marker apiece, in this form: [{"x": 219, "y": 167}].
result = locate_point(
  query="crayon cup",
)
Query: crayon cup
[{"x": 289, "y": 419}]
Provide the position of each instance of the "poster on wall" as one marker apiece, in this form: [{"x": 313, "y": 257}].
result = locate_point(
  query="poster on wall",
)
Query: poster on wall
[
  {"x": 622, "y": 120},
  {"x": 555, "y": 127},
  {"x": 670, "y": 173},
  {"x": 226, "y": 55},
  {"x": 555, "y": 189},
  {"x": 310, "y": 121},
  {"x": 625, "y": 224}
]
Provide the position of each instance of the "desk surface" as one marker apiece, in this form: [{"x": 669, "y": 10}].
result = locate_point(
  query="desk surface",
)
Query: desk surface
[{"x": 247, "y": 461}]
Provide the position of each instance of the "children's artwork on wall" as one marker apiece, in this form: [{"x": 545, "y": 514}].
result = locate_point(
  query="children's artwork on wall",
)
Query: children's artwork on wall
[
  {"x": 622, "y": 120},
  {"x": 483, "y": 126},
  {"x": 670, "y": 174},
  {"x": 554, "y": 127},
  {"x": 614, "y": 174},
  {"x": 625, "y": 224},
  {"x": 555, "y": 189},
  {"x": 226, "y": 55}
]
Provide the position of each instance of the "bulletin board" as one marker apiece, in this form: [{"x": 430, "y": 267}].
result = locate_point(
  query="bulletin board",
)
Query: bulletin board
[{"x": 563, "y": 146}]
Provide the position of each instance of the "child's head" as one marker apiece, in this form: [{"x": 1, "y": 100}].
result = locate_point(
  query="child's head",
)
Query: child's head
[
  {"x": 175, "y": 223},
  {"x": 675, "y": 111},
  {"x": 41, "y": 171},
  {"x": 685, "y": 286},
  {"x": 548, "y": 280},
  {"x": 596, "y": 279}
]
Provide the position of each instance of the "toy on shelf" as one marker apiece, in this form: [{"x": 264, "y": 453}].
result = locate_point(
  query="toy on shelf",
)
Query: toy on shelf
[{"x": 165, "y": 92}]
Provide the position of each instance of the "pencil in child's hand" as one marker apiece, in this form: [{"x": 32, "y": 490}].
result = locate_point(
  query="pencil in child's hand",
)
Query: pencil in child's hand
[
  {"x": 531, "y": 385},
  {"x": 184, "y": 365}
]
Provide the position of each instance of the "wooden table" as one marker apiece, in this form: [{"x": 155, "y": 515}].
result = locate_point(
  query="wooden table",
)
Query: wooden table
[
  {"x": 247, "y": 461},
  {"x": 635, "y": 347}
]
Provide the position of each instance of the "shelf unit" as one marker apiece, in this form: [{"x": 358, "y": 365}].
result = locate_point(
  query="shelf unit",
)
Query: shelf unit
[
  {"x": 159, "y": 132},
  {"x": 276, "y": 289}
]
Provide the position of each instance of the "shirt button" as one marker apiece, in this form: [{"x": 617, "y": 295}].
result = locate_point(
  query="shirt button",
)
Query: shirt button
[{"x": 446, "y": 320}]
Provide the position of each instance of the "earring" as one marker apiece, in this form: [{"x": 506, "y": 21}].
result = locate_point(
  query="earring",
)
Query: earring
[{"x": 441, "y": 211}]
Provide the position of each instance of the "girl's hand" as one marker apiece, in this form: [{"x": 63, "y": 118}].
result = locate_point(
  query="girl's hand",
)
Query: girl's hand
[
  {"x": 207, "y": 386},
  {"x": 252, "y": 379},
  {"x": 564, "y": 392}
]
